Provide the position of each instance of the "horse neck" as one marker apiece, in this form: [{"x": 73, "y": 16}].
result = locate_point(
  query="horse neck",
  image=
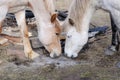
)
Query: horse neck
[
  {"x": 41, "y": 13},
  {"x": 86, "y": 19},
  {"x": 82, "y": 15}
]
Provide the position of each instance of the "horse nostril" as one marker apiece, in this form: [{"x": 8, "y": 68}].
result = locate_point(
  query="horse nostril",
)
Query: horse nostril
[
  {"x": 55, "y": 56},
  {"x": 57, "y": 34},
  {"x": 65, "y": 54},
  {"x": 72, "y": 57},
  {"x": 69, "y": 36}
]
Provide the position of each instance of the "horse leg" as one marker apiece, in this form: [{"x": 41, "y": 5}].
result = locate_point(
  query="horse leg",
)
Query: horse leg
[
  {"x": 115, "y": 38},
  {"x": 115, "y": 34},
  {"x": 20, "y": 17},
  {"x": 3, "y": 12}
]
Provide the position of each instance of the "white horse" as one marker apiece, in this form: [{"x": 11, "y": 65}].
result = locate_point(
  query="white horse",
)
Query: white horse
[
  {"x": 47, "y": 25},
  {"x": 78, "y": 20}
]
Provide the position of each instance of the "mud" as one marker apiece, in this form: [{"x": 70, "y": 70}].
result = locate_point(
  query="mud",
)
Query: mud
[{"x": 91, "y": 63}]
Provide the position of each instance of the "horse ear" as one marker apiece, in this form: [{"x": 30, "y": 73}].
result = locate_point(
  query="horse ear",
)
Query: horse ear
[
  {"x": 57, "y": 27},
  {"x": 53, "y": 18},
  {"x": 71, "y": 21}
]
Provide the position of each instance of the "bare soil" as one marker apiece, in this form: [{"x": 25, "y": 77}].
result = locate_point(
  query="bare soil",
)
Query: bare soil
[{"x": 91, "y": 64}]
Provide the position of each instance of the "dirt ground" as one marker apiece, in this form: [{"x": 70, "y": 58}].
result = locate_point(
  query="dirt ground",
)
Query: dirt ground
[{"x": 91, "y": 64}]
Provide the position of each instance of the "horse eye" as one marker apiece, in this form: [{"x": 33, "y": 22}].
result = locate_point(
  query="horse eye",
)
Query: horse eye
[
  {"x": 69, "y": 36},
  {"x": 57, "y": 33}
]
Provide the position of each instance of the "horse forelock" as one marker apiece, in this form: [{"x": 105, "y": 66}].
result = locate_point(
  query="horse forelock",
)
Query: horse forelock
[{"x": 77, "y": 12}]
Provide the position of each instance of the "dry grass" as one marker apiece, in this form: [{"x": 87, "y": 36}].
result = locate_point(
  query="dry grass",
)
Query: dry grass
[{"x": 92, "y": 64}]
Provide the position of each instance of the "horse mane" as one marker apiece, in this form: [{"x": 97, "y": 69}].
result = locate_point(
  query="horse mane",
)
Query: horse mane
[
  {"x": 46, "y": 6},
  {"x": 50, "y": 6},
  {"x": 77, "y": 11},
  {"x": 34, "y": 5},
  {"x": 48, "y": 9}
]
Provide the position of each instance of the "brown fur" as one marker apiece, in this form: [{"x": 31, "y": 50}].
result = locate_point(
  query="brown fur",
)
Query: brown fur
[
  {"x": 29, "y": 4},
  {"x": 15, "y": 39},
  {"x": 58, "y": 27},
  {"x": 26, "y": 32},
  {"x": 53, "y": 18},
  {"x": 0, "y": 27}
]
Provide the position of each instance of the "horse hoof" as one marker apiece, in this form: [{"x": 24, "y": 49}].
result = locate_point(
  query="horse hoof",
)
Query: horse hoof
[
  {"x": 110, "y": 51},
  {"x": 32, "y": 55}
]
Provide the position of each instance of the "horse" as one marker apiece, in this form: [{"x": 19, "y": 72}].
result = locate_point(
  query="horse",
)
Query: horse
[
  {"x": 47, "y": 24},
  {"x": 78, "y": 20}
]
